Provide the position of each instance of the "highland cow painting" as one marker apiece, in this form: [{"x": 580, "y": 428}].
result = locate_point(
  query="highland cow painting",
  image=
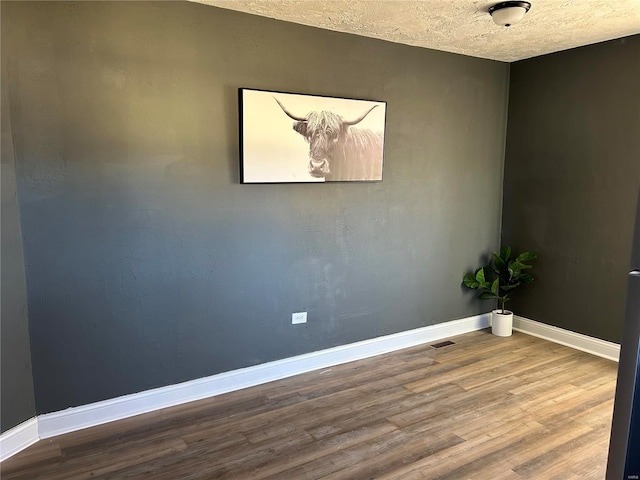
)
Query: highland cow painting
[{"x": 293, "y": 138}]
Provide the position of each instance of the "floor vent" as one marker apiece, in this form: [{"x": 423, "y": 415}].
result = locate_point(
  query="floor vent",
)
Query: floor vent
[{"x": 443, "y": 344}]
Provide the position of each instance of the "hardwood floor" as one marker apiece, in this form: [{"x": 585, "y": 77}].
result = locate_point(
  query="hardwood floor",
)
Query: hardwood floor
[{"x": 484, "y": 408}]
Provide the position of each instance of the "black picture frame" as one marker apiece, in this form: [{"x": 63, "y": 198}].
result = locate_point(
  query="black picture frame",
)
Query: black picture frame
[{"x": 302, "y": 138}]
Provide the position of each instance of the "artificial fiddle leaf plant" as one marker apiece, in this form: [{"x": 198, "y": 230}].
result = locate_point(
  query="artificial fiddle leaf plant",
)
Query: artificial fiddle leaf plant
[{"x": 501, "y": 276}]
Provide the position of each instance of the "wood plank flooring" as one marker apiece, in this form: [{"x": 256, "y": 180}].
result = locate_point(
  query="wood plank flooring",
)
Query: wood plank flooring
[{"x": 484, "y": 408}]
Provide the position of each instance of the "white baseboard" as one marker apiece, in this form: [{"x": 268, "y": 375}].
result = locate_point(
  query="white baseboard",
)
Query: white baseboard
[
  {"x": 18, "y": 438},
  {"x": 595, "y": 346},
  {"x": 84, "y": 416}
]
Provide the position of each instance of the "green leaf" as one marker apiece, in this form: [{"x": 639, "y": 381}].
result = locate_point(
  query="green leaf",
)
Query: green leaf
[
  {"x": 470, "y": 281},
  {"x": 487, "y": 296},
  {"x": 525, "y": 256},
  {"x": 499, "y": 263},
  {"x": 506, "y": 288},
  {"x": 505, "y": 253},
  {"x": 494, "y": 286},
  {"x": 526, "y": 278},
  {"x": 515, "y": 268},
  {"x": 480, "y": 276}
]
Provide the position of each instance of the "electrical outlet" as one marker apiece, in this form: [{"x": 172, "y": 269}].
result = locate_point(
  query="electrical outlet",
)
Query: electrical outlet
[{"x": 300, "y": 317}]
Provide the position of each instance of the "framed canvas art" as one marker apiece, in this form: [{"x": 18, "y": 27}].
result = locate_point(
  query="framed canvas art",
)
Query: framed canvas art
[{"x": 297, "y": 138}]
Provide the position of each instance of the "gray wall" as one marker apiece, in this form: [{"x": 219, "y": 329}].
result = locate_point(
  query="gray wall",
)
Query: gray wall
[
  {"x": 16, "y": 381},
  {"x": 571, "y": 181},
  {"x": 149, "y": 264}
]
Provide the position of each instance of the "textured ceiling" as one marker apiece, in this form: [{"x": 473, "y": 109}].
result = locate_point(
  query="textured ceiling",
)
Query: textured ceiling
[{"x": 459, "y": 26}]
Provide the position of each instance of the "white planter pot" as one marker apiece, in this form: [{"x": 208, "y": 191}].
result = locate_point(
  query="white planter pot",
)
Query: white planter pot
[{"x": 502, "y": 323}]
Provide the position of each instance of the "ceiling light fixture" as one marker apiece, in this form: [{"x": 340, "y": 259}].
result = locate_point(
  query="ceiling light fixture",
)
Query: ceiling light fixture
[{"x": 508, "y": 13}]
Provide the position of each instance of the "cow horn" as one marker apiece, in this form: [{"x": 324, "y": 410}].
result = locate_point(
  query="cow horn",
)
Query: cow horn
[
  {"x": 360, "y": 118},
  {"x": 293, "y": 117}
]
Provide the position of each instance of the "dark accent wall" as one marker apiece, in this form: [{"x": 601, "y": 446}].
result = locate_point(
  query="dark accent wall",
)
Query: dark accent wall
[
  {"x": 17, "y": 402},
  {"x": 148, "y": 263},
  {"x": 571, "y": 181}
]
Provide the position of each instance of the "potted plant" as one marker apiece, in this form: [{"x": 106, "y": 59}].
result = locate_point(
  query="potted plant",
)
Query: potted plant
[{"x": 498, "y": 280}]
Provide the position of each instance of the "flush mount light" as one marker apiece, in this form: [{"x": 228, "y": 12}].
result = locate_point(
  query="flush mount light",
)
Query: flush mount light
[{"x": 508, "y": 13}]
